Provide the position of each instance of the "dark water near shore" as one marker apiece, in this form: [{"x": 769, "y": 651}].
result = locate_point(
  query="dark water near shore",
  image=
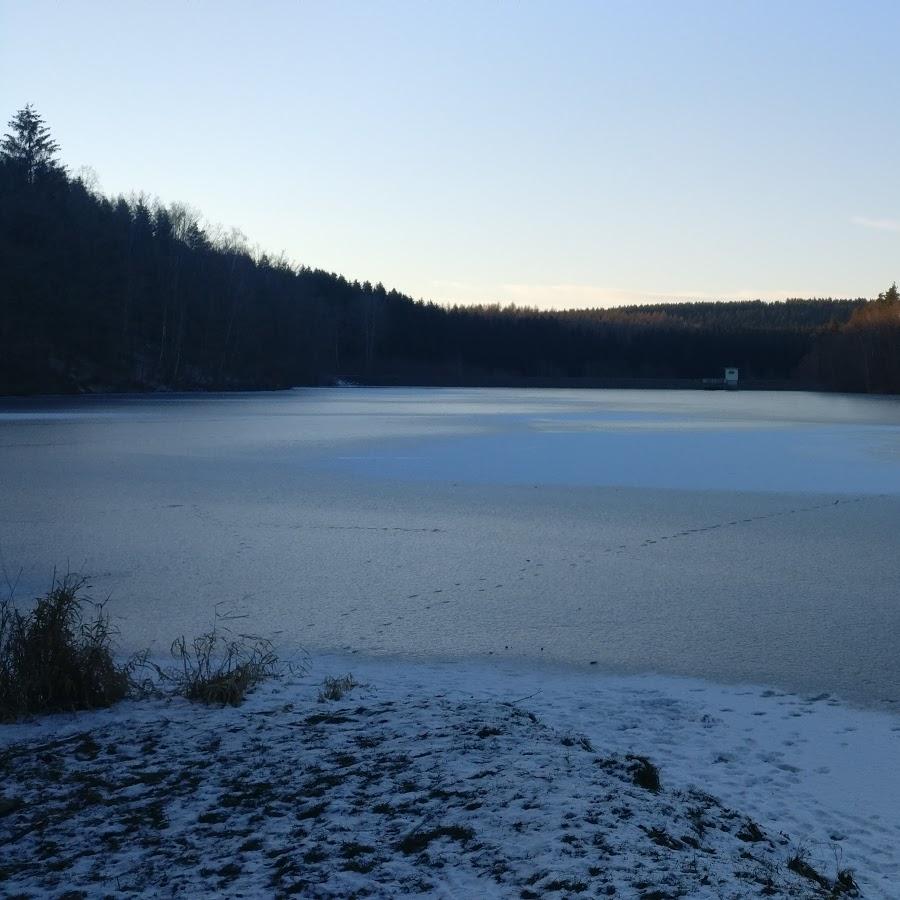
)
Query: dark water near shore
[{"x": 742, "y": 537}]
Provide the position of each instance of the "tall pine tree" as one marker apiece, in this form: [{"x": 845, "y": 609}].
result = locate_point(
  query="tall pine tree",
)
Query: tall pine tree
[{"x": 28, "y": 145}]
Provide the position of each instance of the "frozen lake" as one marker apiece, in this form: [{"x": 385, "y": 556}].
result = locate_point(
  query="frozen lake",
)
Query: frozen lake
[{"x": 745, "y": 537}]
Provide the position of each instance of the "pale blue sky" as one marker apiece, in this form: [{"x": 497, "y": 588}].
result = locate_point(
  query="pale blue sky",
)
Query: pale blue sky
[{"x": 549, "y": 153}]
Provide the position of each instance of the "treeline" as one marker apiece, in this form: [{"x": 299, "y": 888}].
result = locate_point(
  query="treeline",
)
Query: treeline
[
  {"x": 863, "y": 354},
  {"x": 100, "y": 293},
  {"x": 665, "y": 342}
]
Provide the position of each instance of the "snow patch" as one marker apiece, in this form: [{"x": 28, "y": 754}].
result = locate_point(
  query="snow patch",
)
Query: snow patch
[{"x": 456, "y": 780}]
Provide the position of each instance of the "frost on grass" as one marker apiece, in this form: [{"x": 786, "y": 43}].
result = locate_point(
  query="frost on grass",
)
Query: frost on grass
[{"x": 378, "y": 795}]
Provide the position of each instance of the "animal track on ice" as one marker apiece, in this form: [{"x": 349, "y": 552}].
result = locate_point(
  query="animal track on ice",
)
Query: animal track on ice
[{"x": 830, "y": 504}]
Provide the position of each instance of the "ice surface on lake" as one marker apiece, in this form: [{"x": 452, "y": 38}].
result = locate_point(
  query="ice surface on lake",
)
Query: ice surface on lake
[
  {"x": 733, "y": 536},
  {"x": 659, "y": 454}
]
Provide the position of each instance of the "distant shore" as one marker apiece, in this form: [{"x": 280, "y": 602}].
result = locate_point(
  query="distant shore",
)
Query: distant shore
[
  {"x": 58, "y": 388},
  {"x": 623, "y": 384}
]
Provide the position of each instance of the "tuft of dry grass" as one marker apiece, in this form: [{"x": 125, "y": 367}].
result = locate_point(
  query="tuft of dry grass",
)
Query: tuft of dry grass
[
  {"x": 57, "y": 656},
  {"x": 219, "y": 667},
  {"x": 334, "y": 688},
  {"x": 644, "y": 774}
]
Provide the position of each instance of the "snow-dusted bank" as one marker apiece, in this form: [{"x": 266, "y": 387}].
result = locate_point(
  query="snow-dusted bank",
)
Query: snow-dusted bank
[{"x": 456, "y": 780}]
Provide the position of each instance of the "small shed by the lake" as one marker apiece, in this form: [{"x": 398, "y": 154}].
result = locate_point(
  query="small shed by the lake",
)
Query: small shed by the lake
[{"x": 727, "y": 382}]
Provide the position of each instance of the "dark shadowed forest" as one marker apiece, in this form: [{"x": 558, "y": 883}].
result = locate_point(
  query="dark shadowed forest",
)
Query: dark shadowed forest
[{"x": 127, "y": 294}]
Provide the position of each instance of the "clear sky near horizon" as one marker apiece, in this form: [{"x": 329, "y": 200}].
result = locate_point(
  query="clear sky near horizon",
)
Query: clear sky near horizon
[{"x": 542, "y": 153}]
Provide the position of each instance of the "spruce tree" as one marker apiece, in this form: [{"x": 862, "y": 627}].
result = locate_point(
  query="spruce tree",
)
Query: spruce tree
[{"x": 28, "y": 146}]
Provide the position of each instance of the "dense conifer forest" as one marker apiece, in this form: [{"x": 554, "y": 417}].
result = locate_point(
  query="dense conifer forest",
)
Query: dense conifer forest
[{"x": 127, "y": 294}]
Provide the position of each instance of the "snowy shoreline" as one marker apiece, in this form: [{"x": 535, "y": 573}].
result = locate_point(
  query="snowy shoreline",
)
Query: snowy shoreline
[{"x": 455, "y": 779}]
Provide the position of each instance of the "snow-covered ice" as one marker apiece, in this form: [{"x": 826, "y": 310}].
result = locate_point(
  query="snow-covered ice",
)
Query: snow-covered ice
[{"x": 571, "y": 525}]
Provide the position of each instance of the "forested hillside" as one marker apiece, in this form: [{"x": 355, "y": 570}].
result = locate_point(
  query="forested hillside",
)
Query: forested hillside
[{"x": 114, "y": 293}]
